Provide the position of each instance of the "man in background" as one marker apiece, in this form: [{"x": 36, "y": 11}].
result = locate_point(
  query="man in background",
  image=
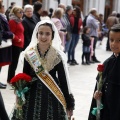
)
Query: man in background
[
  {"x": 9, "y": 9},
  {"x": 92, "y": 23},
  {"x": 37, "y": 10}
]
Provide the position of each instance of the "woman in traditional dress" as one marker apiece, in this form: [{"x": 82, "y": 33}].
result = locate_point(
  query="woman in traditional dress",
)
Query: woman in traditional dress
[
  {"x": 49, "y": 97},
  {"x": 110, "y": 94}
]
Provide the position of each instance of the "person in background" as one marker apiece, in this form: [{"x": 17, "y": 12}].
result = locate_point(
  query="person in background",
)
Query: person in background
[
  {"x": 76, "y": 23},
  {"x": 100, "y": 32},
  {"x": 5, "y": 57},
  {"x": 3, "y": 113},
  {"x": 17, "y": 28},
  {"x": 52, "y": 99},
  {"x": 93, "y": 24},
  {"x": 111, "y": 20},
  {"x": 67, "y": 25},
  {"x": 44, "y": 15},
  {"x": 50, "y": 12},
  {"x": 29, "y": 23},
  {"x": 37, "y": 10},
  {"x": 61, "y": 5},
  {"x": 118, "y": 16},
  {"x": 109, "y": 95},
  {"x": 86, "y": 45},
  {"x": 57, "y": 21},
  {"x": 2, "y": 12},
  {"x": 9, "y": 9},
  {"x": 5, "y": 53}
]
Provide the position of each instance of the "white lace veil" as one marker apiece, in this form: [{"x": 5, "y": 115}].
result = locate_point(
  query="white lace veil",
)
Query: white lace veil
[{"x": 56, "y": 43}]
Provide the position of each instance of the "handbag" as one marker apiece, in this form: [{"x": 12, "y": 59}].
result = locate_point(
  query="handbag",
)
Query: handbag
[{"x": 6, "y": 43}]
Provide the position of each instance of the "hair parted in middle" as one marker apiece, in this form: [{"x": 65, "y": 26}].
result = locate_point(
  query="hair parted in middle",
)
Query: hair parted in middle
[{"x": 49, "y": 25}]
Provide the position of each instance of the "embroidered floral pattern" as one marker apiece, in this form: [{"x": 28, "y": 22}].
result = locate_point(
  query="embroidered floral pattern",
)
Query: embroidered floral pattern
[{"x": 51, "y": 59}]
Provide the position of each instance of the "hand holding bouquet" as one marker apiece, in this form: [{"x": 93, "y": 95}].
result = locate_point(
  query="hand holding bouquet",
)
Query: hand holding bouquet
[
  {"x": 97, "y": 95},
  {"x": 19, "y": 84}
]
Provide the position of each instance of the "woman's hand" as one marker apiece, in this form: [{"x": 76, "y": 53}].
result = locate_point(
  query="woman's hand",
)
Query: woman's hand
[
  {"x": 19, "y": 40},
  {"x": 97, "y": 95},
  {"x": 69, "y": 113},
  {"x": 13, "y": 36}
]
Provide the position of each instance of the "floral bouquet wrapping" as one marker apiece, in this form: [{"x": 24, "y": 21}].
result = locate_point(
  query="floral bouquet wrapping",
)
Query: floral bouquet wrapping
[
  {"x": 96, "y": 111},
  {"x": 19, "y": 84}
]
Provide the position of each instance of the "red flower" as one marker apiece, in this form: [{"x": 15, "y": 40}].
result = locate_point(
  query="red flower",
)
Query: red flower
[
  {"x": 100, "y": 68},
  {"x": 21, "y": 76},
  {"x": 19, "y": 83}
]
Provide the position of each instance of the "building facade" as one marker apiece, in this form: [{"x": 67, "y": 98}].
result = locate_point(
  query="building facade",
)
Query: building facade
[
  {"x": 104, "y": 7},
  {"x": 46, "y": 3}
]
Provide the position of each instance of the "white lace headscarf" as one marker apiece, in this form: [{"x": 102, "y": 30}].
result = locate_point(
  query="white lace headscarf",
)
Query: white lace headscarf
[{"x": 56, "y": 43}]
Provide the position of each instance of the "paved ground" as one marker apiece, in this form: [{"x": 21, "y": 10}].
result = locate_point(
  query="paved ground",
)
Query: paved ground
[{"x": 82, "y": 82}]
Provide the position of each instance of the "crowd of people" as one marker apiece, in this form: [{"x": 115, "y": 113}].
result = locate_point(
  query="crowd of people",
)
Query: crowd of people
[{"x": 52, "y": 36}]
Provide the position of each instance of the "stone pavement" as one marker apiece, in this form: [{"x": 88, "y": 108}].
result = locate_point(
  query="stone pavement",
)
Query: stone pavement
[{"x": 82, "y": 82}]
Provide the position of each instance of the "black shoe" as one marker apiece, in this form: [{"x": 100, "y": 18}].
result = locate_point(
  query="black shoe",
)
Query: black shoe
[
  {"x": 72, "y": 63},
  {"x": 96, "y": 61},
  {"x": 91, "y": 62},
  {"x": 69, "y": 61},
  {"x": 2, "y": 87},
  {"x": 83, "y": 63},
  {"x": 87, "y": 63},
  {"x": 75, "y": 62},
  {"x": 3, "y": 84}
]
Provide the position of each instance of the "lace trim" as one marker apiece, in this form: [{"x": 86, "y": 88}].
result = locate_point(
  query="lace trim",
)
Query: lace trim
[{"x": 51, "y": 59}]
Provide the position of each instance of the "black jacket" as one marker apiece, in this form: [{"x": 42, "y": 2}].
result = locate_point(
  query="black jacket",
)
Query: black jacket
[
  {"x": 36, "y": 16},
  {"x": 110, "y": 91},
  {"x": 86, "y": 40},
  {"x": 29, "y": 25},
  {"x": 5, "y": 53}
]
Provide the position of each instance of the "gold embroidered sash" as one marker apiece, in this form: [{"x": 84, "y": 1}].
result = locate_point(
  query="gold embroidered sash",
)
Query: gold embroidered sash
[{"x": 34, "y": 60}]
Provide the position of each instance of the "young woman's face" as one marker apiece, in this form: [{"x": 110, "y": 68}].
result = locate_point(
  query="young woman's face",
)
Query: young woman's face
[
  {"x": 44, "y": 35},
  {"x": 115, "y": 42}
]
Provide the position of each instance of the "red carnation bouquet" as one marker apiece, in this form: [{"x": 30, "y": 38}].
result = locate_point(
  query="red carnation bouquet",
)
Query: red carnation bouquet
[
  {"x": 96, "y": 111},
  {"x": 19, "y": 84}
]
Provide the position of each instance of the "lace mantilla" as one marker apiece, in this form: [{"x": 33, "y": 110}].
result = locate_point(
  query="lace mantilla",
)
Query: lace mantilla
[{"x": 51, "y": 59}]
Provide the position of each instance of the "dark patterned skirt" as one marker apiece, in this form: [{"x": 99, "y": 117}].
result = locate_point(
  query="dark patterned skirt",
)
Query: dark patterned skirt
[{"x": 41, "y": 104}]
